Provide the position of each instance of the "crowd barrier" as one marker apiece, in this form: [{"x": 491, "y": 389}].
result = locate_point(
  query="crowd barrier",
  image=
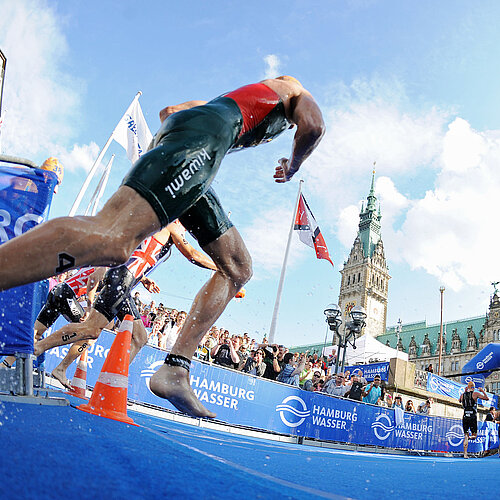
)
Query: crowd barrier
[
  {"x": 25, "y": 197},
  {"x": 245, "y": 400}
]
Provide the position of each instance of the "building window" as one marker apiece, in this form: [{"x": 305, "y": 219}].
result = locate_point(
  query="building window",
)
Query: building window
[
  {"x": 348, "y": 280},
  {"x": 359, "y": 277}
]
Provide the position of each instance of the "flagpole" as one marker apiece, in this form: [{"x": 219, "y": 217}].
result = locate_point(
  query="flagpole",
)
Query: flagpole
[
  {"x": 272, "y": 330},
  {"x": 93, "y": 170},
  {"x": 99, "y": 190}
]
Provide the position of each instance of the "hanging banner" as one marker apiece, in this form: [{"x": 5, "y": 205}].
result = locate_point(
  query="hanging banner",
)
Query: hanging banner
[
  {"x": 372, "y": 369},
  {"x": 242, "y": 399},
  {"x": 446, "y": 387}
]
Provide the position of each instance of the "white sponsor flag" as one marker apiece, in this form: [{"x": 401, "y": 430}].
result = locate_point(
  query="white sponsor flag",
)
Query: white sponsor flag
[{"x": 132, "y": 132}]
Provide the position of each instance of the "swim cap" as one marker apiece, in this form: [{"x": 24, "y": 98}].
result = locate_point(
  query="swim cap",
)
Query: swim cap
[{"x": 52, "y": 165}]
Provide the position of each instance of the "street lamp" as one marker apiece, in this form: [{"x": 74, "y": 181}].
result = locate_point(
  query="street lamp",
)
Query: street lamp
[
  {"x": 441, "y": 290},
  {"x": 353, "y": 328},
  {"x": 332, "y": 313}
]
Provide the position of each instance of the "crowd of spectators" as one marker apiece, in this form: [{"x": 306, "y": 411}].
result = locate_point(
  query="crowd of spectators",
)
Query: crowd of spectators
[{"x": 309, "y": 372}]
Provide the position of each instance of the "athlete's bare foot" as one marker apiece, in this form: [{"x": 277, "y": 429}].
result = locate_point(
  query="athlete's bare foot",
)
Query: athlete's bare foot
[
  {"x": 172, "y": 383},
  {"x": 59, "y": 374}
]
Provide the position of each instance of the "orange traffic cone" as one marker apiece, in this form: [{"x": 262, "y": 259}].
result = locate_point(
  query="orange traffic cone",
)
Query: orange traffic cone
[
  {"x": 79, "y": 382},
  {"x": 109, "y": 398}
]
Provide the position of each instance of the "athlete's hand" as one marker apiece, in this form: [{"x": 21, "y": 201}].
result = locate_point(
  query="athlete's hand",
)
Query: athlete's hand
[
  {"x": 150, "y": 285},
  {"x": 282, "y": 172}
]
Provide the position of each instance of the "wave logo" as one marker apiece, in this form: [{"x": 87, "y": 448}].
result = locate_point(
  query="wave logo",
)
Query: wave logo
[
  {"x": 383, "y": 426},
  {"x": 285, "y": 408},
  {"x": 455, "y": 435},
  {"x": 147, "y": 373},
  {"x": 480, "y": 365},
  {"x": 433, "y": 384}
]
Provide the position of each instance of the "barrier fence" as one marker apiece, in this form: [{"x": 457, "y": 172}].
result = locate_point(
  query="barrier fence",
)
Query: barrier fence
[
  {"x": 25, "y": 197},
  {"x": 245, "y": 400}
]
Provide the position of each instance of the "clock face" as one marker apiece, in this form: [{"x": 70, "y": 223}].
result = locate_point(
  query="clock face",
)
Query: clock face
[
  {"x": 348, "y": 308},
  {"x": 495, "y": 314}
]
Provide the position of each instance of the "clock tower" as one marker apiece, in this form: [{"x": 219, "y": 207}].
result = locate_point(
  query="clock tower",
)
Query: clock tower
[{"x": 365, "y": 275}]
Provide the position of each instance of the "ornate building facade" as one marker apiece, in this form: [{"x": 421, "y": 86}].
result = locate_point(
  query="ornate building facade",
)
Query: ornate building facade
[
  {"x": 365, "y": 275},
  {"x": 462, "y": 340}
]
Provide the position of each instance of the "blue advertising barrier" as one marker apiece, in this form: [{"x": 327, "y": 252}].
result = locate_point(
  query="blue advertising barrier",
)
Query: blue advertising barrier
[
  {"x": 440, "y": 385},
  {"x": 372, "y": 369},
  {"x": 25, "y": 197},
  {"x": 486, "y": 360},
  {"x": 245, "y": 400}
]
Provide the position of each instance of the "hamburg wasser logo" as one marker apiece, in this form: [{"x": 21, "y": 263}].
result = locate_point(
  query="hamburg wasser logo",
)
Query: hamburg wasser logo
[
  {"x": 455, "y": 435},
  {"x": 383, "y": 426},
  {"x": 287, "y": 411},
  {"x": 147, "y": 373}
]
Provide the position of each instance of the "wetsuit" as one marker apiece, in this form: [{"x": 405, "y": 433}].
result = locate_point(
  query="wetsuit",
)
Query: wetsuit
[
  {"x": 175, "y": 176},
  {"x": 115, "y": 299},
  {"x": 63, "y": 299},
  {"x": 469, "y": 420}
]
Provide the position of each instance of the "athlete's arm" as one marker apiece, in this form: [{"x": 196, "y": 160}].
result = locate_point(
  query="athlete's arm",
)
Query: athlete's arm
[
  {"x": 480, "y": 394},
  {"x": 196, "y": 257},
  {"x": 310, "y": 129},
  {"x": 170, "y": 110}
]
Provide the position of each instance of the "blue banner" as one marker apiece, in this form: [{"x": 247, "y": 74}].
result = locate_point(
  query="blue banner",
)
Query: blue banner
[
  {"x": 25, "y": 196},
  {"x": 372, "y": 369},
  {"x": 446, "y": 387},
  {"x": 246, "y": 400}
]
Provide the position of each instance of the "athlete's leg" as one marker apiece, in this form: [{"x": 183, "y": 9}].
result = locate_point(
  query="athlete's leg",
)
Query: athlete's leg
[
  {"x": 466, "y": 444},
  {"x": 90, "y": 329},
  {"x": 58, "y": 245},
  {"x": 77, "y": 349},
  {"x": 234, "y": 270},
  {"x": 139, "y": 338}
]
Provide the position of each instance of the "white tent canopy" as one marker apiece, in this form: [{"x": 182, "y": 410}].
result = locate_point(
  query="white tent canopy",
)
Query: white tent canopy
[{"x": 367, "y": 349}]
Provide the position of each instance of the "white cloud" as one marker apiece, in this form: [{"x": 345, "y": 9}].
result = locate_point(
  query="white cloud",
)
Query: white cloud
[
  {"x": 272, "y": 66},
  {"x": 266, "y": 240},
  {"x": 79, "y": 156},
  {"x": 41, "y": 100}
]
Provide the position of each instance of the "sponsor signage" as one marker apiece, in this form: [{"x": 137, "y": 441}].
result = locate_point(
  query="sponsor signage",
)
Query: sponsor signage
[
  {"x": 446, "y": 387},
  {"x": 369, "y": 371},
  {"x": 245, "y": 400}
]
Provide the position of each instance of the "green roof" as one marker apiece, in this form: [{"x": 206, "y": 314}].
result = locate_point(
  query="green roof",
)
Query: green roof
[{"x": 419, "y": 330}]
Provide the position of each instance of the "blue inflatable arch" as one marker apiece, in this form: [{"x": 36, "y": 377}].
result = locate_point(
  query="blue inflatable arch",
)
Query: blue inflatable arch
[{"x": 486, "y": 361}]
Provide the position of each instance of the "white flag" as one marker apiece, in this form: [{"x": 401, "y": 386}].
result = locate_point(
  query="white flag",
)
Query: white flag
[{"x": 132, "y": 132}]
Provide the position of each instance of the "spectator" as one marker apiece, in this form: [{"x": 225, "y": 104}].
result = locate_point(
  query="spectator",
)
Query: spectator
[
  {"x": 372, "y": 392},
  {"x": 398, "y": 402},
  {"x": 335, "y": 385},
  {"x": 274, "y": 359},
  {"x": 168, "y": 340},
  {"x": 386, "y": 400},
  {"x": 491, "y": 417},
  {"x": 202, "y": 351},
  {"x": 355, "y": 390},
  {"x": 409, "y": 406},
  {"x": 306, "y": 374},
  {"x": 429, "y": 368},
  {"x": 255, "y": 365},
  {"x": 361, "y": 378},
  {"x": 425, "y": 407},
  {"x": 137, "y": 300},
  {"x": 318, "y": 386},
  {"x": 224, "y": 353},
  {"x": 291, "y": 370},
  {"x": 243, "y": 353},
  {"x": 310, "y": 383}
]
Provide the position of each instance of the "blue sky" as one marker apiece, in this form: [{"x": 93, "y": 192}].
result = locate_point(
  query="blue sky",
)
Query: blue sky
[{"x": 410, "y": 85}]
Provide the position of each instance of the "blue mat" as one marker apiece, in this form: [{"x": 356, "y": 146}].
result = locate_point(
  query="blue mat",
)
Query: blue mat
[{"x": 61, "y": 452}]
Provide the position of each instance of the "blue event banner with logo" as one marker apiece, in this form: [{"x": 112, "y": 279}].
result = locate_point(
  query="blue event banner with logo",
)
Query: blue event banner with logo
[
  {"x": 441, "y": 385},
  {"x": 246, "y": 400},
  {"x": 25, "y": 197},
  {"x": 372, "y": 369}
]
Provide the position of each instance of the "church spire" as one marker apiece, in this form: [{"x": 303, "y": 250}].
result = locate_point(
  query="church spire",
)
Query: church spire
[{"x": 369, "y": 221}]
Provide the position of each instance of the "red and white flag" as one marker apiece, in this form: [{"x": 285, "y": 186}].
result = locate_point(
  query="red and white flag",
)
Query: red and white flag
[{"x": 308, "y": 230}]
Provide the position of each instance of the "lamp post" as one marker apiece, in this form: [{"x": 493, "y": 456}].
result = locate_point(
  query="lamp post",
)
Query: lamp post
[
  {"x": 353, "y": 327},
  {"x": 332, "y": 313},
  {"x": 441, "y": 289}
]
